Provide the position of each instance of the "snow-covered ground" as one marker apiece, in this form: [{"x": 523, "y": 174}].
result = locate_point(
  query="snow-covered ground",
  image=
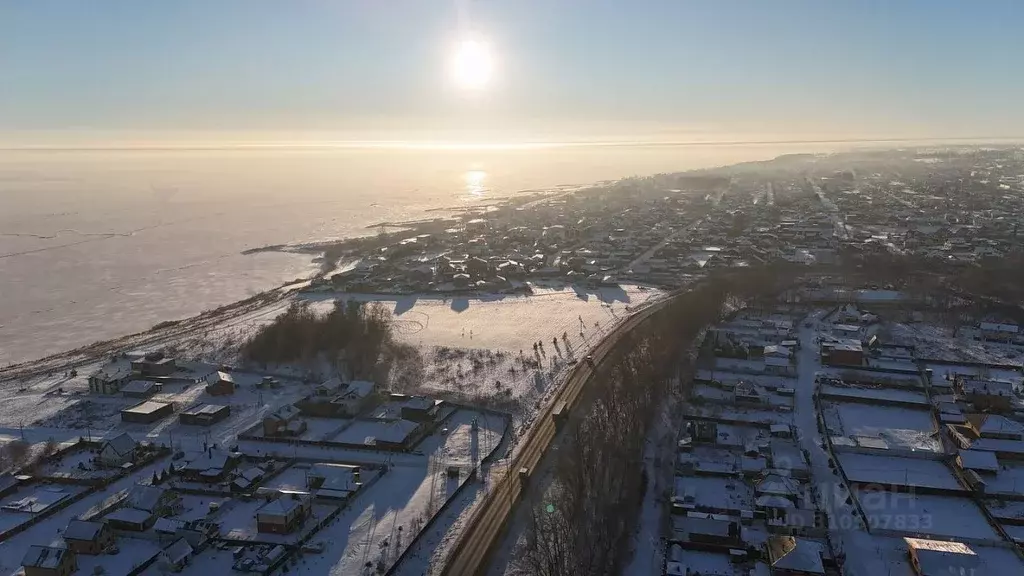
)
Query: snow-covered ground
[
  {"x": 511, "y": 322},
  {"x": 903, "y": 428}
]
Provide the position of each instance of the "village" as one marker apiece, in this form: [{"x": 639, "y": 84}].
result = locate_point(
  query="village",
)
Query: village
[
  {"x": 861, "y": 422},
  {"x": 851, "y": 439},
  {"x": 207, "y": 468}
]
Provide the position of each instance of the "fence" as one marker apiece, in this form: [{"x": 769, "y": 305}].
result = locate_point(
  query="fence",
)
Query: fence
[{"x": 430, "y": 523}]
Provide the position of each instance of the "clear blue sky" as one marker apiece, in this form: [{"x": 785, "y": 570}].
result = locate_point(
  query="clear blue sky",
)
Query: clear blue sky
[{"x": 821, "y": 66}]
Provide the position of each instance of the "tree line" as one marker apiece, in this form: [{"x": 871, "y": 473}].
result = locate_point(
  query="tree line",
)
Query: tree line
[{"x": 584, "y": 522}]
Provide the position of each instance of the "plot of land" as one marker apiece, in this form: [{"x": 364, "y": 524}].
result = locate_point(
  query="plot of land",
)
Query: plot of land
[
  {"x": 895, "y": 471},
  {"x": 902, "y": 428},
  {"x": 939, "y": 516},
  {"x": 714, "y": 492},
  {"x": 869, "y": 395}
]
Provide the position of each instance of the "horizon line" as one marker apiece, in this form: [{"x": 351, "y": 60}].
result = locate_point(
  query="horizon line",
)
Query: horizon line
[{"x": 448, "y": 145}]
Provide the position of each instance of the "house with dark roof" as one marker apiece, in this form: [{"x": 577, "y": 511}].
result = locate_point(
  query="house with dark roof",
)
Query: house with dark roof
[
  {"x": 48, "y": 561},
  {"x": 84, "y": 537},
  {"x": 284, "y": 515},
  {"x": 214, "y": 465},
  {"x": 143, "y": 505},
  {"x": 139, "y": 389},
  {"x": 176, "y": 556},
  {"x": 117, "y": 451}
]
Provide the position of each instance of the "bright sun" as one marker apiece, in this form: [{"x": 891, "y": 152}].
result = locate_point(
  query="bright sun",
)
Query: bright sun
[{"x": 472, "y": 65}]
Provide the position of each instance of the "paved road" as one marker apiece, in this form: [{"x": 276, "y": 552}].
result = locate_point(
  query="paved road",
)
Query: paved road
[{"x": 473, "y": 549}]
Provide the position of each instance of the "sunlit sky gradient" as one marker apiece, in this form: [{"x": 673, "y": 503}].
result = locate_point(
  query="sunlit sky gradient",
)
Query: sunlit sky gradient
[{"x": 376, "y": 69}]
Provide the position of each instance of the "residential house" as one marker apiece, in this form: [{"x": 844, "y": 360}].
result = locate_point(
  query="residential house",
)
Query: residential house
[
  {"x": 147, "y": 412},
  {"x": 220, "y": 384},
  {"x": 986, "y": 395},
  {"x": 354, "y": 397},
  {"x": 176, "y": 556},
  {"x": 48, "y": 561},
  {"x": 995, "y": 426},
  {"x": 793, "y": 556},
  {"x": 998, "y": 331},
  {"x": 845, "y": 352},
  {"x": 154, "y": 364},
  {"x": 283, "y": 515},
  {"x": 204, "y": 414},
  {"x": 139, "y": 389},
  {"x": 143, "y": 505},
  {"x": 109, "y": 380},
  {"x": 417, "y": 408},
  {"x": 284, "y": 422},
  {"x": 213, "y": 465},
  {"x": 117, "y": 451},
  {"x": 84, "y": 537}
]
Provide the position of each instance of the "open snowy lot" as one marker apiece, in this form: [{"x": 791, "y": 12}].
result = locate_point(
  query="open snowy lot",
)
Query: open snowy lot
[
  {"x": 508, "y": 322},
  {"x": 714, "y": 492}
]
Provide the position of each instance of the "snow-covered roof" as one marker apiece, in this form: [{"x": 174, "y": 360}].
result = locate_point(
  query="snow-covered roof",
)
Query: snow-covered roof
[
  {"x": 168, "y": 525},
  {"x": 129, "y": 515},
  {"x": 43, "y": 556},
  {"x": 774, "y": 501},
  {"x": 989, "y": 424},
  {"x": 211, "y": 459},
  {"x": 393, "y": 432},
  {"x": 979, "y": 460},
  {"x": 178, "y": 552},
  {"x": 358, "y": 389},
  {"x": 138, "y": 387},
  {"x": 286, "y": 412},
  {"x": 778, "y": 484},
  {"x": 795, "y": 554},
  {"x": 279, "y": 507},
  {"x": 146, "y": 498},
  {"x": 220, "y": 376},
  {"x": 940, "y": 557},
  {"x": 82, "y": 530},
  {"x": 122, "y": 444}
]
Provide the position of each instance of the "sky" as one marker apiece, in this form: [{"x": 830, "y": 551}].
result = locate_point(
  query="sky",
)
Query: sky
[{"x": 562, "y": 69}]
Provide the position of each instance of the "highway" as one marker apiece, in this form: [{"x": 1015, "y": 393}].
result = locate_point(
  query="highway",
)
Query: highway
[{"x": 482, "y": 532}]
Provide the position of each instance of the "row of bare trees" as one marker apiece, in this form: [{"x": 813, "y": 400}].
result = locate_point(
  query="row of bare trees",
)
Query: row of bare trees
[{"x": 584, "y": 522}]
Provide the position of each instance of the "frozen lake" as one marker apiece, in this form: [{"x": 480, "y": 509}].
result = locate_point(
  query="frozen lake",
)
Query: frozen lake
[{"x": 95, "y": 244}]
